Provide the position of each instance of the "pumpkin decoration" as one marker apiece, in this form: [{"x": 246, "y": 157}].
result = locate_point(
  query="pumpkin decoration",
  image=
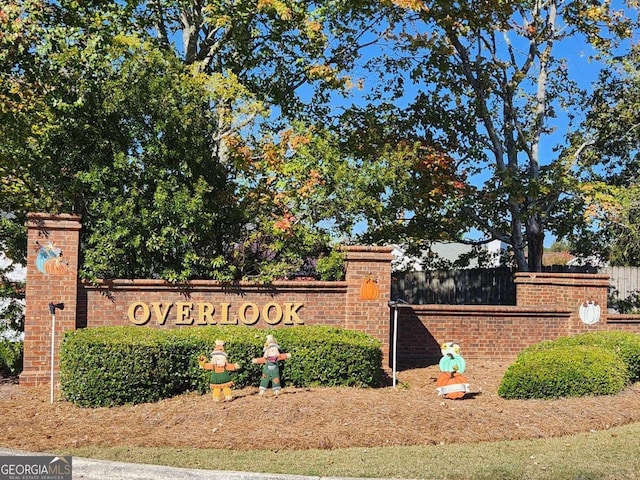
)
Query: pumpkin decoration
[
  {"x": 45, "y": 253},
  {"x": 589, "y": 312},
  {"x": 452, "y": 364},
  {"x": 55, "y": 266},
  {"x": 451, "y": 383},
  {"x": 451, "y": 360},
  {"x": 369, "y": 289}
]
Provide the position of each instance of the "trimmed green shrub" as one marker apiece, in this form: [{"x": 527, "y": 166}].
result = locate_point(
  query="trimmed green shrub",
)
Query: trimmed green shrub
[
  {"x": 10, "y": 357},
  {"x": 330, "y": 356},
  {"x": 624, "y": 344},
  {"x": 117, "y": 365},
  {"x": 564, "y": 371}
]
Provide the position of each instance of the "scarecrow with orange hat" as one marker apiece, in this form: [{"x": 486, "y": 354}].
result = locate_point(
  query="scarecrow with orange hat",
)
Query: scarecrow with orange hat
[
  {"x": 220, "y": 380},
  {"x": 270, "y": 370}
]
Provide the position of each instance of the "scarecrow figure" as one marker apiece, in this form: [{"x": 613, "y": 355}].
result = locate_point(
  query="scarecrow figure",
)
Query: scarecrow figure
[
  {"x": 270, "y": 369},
  {"x": 451, "y": 383},
  {"x": 220, "y": 381}
]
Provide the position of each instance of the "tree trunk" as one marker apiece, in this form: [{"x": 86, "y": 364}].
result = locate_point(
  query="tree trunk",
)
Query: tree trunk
[{"x": 535, "y": 244}]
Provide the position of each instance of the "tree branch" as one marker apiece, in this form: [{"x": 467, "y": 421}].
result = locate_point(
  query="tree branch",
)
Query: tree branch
[
  {"x": 156, "y": 7},
  {"x": 481, "y": 99}
]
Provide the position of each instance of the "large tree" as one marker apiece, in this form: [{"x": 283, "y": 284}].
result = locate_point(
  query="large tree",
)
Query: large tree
[
  {"x": 169, "y": 126},
  {"x": 486, "y": 82}
]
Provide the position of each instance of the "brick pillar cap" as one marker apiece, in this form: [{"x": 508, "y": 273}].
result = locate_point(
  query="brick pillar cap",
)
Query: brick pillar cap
[
  {"x": 366, "y": 248},
  {"x": 52, "y": 216}
]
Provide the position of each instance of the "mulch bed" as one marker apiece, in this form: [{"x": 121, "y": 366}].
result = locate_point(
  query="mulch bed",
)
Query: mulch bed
[{"x": 300, "y": 418}]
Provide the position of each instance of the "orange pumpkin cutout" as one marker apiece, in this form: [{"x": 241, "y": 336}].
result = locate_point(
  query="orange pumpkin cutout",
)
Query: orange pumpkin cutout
[
  {"x": 55, "y": 266},
  {"x": 369, "y": 289},
  {"x": 452, "y": 385}
]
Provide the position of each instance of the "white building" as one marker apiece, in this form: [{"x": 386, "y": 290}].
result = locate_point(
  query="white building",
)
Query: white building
[{"x": 450, "y": 252}]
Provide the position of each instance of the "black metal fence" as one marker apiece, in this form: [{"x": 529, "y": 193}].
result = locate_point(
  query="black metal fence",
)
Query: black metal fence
[
  {"x": 495, "y": 286},
  {"x": 476, "y": 286}
]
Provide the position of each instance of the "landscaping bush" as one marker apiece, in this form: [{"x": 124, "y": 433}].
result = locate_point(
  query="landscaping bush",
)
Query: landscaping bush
[
  {"x": 564, "y": 371},
  {"x": 117, "y": 365},
  {"x": 330, "y": 356},
  {"x": 10, "y": 357},
  {"x": 624, "y": 344}
]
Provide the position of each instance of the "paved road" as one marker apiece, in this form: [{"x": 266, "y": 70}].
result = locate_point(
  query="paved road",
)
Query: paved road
[{"x": 89, "y": 469}]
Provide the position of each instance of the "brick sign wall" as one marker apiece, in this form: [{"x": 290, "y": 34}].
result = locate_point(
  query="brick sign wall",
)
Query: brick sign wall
[
  {"x": 548, "y": 305},
  {"x": 52, "y": 277}
]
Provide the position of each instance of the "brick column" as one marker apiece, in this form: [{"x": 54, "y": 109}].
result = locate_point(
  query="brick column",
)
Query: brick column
[
  {"x": 369, "y": 316},
  {"x": 52, "y": 266}
]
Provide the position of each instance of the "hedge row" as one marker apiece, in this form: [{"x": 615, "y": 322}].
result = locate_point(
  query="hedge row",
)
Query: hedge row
[
  {"x": 596, "y": 363},
  {"x": 118, "y": 365}
]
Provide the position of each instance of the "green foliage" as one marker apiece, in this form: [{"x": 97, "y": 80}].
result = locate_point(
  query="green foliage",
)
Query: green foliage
[
  {"x": 559, "y": 247},
  {"x": 589, "y": 363},
  {"x": 399, "y": 183},
  {"x": 99, "y": 367},
  {"x": 11, "y": 290},
  {"x": 625, "y": 345},
  {"x": 624, "y": 226},
  {"x": 205, "y": 160},
  {"x": 172, "y": 154},
  {"x": 331, "y": 266},
  {"x": 564, "y": 371},
  {"x": 158, "y": 213},
  {"x": 329, "y": 356},
  {"x": 11, "y": 355},
  {"x": 609, "y": 139},
  {"x": 117, "y": 365}
]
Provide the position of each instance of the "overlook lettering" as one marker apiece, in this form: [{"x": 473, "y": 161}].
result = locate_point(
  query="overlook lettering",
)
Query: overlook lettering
[{"x": 205, "y": 313}]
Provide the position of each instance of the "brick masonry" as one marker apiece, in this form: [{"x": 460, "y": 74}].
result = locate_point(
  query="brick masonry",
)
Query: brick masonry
[
  {"x": 547, "y": 307},
  {"x": 62, "y": 232}
]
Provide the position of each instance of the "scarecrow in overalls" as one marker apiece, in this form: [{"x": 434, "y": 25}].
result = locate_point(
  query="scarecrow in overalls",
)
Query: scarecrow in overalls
[
  {"x": 220, "y": 380},
  {"x": 270, "y": 369}
]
